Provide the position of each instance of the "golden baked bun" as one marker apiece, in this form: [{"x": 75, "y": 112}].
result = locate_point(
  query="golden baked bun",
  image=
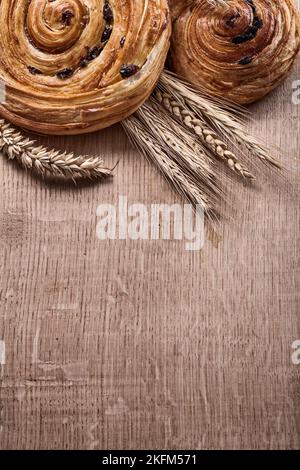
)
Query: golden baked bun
[
  {"x": 240, "y": 51},
  {"x": 75, "y": 66}
]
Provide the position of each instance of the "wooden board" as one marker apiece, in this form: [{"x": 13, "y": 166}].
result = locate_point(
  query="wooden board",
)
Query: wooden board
[{"x": 141, "y": 344}]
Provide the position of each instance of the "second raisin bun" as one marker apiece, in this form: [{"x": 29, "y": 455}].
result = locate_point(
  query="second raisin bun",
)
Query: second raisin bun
[{"x": 240, "y": 50}]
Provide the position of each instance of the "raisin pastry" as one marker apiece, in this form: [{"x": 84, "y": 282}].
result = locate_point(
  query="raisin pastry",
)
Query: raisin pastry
[
  {"x": 238, "y": 49},
  {"x": 75, "y": 66}
]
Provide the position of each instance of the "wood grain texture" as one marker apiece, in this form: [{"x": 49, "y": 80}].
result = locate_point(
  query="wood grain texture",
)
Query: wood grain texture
[{"x": 141, "y": 344}]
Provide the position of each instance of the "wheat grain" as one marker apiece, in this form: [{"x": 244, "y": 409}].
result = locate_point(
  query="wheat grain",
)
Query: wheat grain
[
  {"x": 208, "y": 137},
  {"x": 17, "y": 147},
  {"x": 226, "y": 118}
]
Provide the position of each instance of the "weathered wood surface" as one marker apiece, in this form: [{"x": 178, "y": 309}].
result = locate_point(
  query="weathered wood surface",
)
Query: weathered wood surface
[{"x": 142, "y": 344}]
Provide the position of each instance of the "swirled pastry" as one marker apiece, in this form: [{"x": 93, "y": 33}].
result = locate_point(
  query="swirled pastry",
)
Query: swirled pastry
[
  {"x": 74, "y": 66},
  {"x": 240, "y": 51}
]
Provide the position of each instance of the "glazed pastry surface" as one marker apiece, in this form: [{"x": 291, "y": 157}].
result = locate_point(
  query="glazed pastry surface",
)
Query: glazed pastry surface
[
  {"x": 240, "y": 51},
  {"x": 75, "y": 66}
]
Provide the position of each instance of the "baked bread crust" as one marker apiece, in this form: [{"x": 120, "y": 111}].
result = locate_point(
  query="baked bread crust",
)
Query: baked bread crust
[
  {"x": 75, "y": 66},
  {"x": 241, "y": 51}
]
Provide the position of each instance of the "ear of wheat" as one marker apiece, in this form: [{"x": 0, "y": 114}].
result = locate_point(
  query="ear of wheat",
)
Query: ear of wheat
[
  {"x": 17, "y": 147},
  {"x": 203, "y": 132},
  {"x": 226, "y": 119}
]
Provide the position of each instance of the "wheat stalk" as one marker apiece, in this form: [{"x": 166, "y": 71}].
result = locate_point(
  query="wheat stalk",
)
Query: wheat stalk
[
  {"x": 17, "y": 147},
  {"x": 208, "y": 137},
  {"x": 177, "y": 142},
  {"x": 155, "y": 150},
  {"x": 171, "y": 145},
  {"x": 224, "y": 117}
]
